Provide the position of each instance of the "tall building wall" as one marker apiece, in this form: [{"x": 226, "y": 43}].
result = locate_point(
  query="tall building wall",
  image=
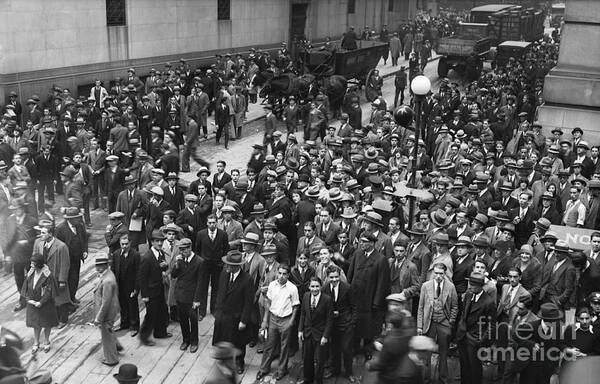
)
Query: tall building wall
[{"x": 68, "y": 42}]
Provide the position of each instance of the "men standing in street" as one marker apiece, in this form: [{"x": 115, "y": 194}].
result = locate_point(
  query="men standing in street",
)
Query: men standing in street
[
  {"x": 369, "y": 277},
  {"x": 114, "y": 231},
  {"x": 72, "y": 232},
  {"x": 150, "y": 282},
  {"x": 314, "y": 330},
  {"x": 211, "y": 245},
  {"x": 476, "y": 329},
  {"x": 125, "y": 263},
  {"x": 438, "y": 309},
  {"x": 344, "y": 318},
  {"x": 235, "y": 306},
  {"x": 186, "y": 271},
  {"x": 282, "y": 304},
  {"x": 56, "y": 254},
  {"x": 134, "y": 204},
  {"x": 107, "y": 309}
]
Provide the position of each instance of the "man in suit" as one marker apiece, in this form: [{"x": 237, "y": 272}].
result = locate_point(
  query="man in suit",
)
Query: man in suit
[
  {"x": 436, "y": 315},
  {"x": 417, "y": 249},
  {"x": 63, "y": 132},
  {"x": 107, "y": 309},
  {"x": 316, "y": 322},
  {"x": 133, "y": 203},
  {"x": 547, "y": 210},
  {"x": 558, "y": 278},
  {"x": 232, "y": 227},
  {"x": 173, "y": 192},
  {"x": 125, "y": 263},
  {"x": 118, "y": 135},
  {"x": 186, "y": 271},
  {"x": 369, "y": 277},
  {"x": 114, "y": 178},
  {"x": 404, "y": 277},
  {"x": 72, "y": 232},
  {"x": 476, "y": 329},
  {"x": 150, "y": 283},
  {"x": 187, "y": 219},
  {"x": 463, "y": 264},
  {"x": 96, "y": 159},
  {"x": 270, "y": 127},
  {"x": 220, "y": 178},
  {"x": 327, "y": 230},
  {"x": 507, "y": 311},
  {"x": 211, "y": 245},
  {"x": 523, "y": 218},
  {"x": 281, "y": 210},
  {"x": 344, "y": 318},
  {"x": 154, "y": 214},
  {"x": 235, "y": 306},
  {"x": 47, "y": 170}
]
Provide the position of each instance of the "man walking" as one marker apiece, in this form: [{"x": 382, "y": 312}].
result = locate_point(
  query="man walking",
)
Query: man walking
[
  {"x": 107, "y": 309},
  {"x": 400, "y": 83}
]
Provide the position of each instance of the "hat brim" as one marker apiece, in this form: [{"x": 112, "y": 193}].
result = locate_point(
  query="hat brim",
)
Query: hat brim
[
  {"x": 258, "y": 212},
  {"x": 378, "y": 223},
  {"x": 551, "y": 318},
  {"x": 348, "y": 216},
  {"x": 124, "y": 380},
  {"x": 72, "y": 216},
  {"x": 229, "y": 262},
  {"x": 244, "y": 241}
]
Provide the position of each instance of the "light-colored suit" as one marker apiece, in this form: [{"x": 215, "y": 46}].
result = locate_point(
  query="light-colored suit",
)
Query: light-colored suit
[
  {"x": 511, "y": 305},
  {"x": 234, "y": 231},
  {"x": 106, "y": 302}
]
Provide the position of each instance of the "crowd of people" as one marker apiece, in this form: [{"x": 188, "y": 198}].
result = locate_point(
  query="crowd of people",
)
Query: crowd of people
[{"x": 313, "y": 247}]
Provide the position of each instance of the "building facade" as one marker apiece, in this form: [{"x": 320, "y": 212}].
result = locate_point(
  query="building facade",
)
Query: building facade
[{"x": 70, "y": 43}]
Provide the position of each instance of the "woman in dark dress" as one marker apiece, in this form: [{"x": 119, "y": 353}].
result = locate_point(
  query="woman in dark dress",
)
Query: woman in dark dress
[{"x": 38, "y": 291}]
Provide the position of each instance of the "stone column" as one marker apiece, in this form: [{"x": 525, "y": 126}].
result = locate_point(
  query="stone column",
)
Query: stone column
[{"x": 572, "y": 88}]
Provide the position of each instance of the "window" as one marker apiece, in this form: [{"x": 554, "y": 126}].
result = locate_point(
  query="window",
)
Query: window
[
  {"x": 115, "y": 13},
  {"x": 391, "y": 5},
  {"x": 351, "y": 6},
  {"x": 224, "y": 9}
]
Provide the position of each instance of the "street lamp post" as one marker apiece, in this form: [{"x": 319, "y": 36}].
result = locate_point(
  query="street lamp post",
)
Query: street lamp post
[{"x": 420, "y": 87}]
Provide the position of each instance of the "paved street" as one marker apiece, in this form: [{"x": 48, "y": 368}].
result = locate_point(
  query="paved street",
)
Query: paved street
[{"x": 75, "y": 355}]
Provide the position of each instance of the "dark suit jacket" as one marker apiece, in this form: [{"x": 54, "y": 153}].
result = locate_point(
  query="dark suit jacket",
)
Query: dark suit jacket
[
  {"x": 216, "y": 184},
  {"x": 282, "y": 206},
  {"x": 235, "y": 301},
  {"x": 126, "y": 269},
  {"x": 316, "y": 323},
  {"x": 344, "y": 306},
  {"x": 460, "y": 272},
  {"x": 47, "y": 170},
  {"x": 114, "y": 181},
  {"x": 149, "y": 277},
  {"x": 187, "y": 288},
  {"x": 531, "y": 277},
  {"x": 212, "y": 251},
  {"x": 558, "y": 286},
  {"x": 203, "y": 209},
  {"x": 138, "y": 204},
  {"x": 77, "y": 243},
  {"x": 525, "y": 227},
  {"x": 299, "y": 282},
  {"x": 329, "y": 237},
  {"x": 175, "y": 201},
  {"x": 470, "y": 326}
]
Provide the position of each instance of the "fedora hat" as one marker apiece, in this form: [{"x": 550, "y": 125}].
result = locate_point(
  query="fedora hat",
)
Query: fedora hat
[
  {"x": 258, "y": 209},
  {"x": 543, "y": 223},
  {"x": 251, "y": 238},
  {"x": 234, "y": 257},
  {"x": 224, "y": 350},
  {"x": 291, "y": 163},
  {"x": 562, "y": 246},
  {"x": 312, "y": 191},
  {"x": 507, "y": 187},
  {"x": 157, "y": 234},
  {"x": 416, "y": 230},
  {"x": 481, "y": 242},
  {"x": 464, "y": 241},
  {"x": 510, "y": 227},
  {"x": 371, "y": 153},
  {"x": 335, "y": 194},
  {"x": 439, "y": 218},
  {"x": 101, "y": 260},
  {"x": 71, "y": 213},
  {"x": 441, "y": 239},
  {"x": 476, "y": 278},
  {"x": 549, "y": 236},
  {"x": 348, "y": 213},
  {"x": 550, "y": 312},
  {"x": 374, "y": 218},
  {"x": 172, "y": 176},
  {"x": 129, "y": 180},
  {"x": 502, "y": 216}
]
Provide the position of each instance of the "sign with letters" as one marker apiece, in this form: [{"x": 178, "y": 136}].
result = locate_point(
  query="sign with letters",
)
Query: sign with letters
[{"x": 576, "y": 238}]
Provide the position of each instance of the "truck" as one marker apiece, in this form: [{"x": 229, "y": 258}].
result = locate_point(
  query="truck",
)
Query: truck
[{"x": 488, "y": 26}]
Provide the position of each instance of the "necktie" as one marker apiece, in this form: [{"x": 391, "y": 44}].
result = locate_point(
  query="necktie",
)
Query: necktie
[
  {"x": 438, "y": 290},
  {"x": 313, "y": 303},
  {"x": 230, "y": 280},
  {"x": 334, "y": 291},
  {"x": 302, "y": 273}
]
